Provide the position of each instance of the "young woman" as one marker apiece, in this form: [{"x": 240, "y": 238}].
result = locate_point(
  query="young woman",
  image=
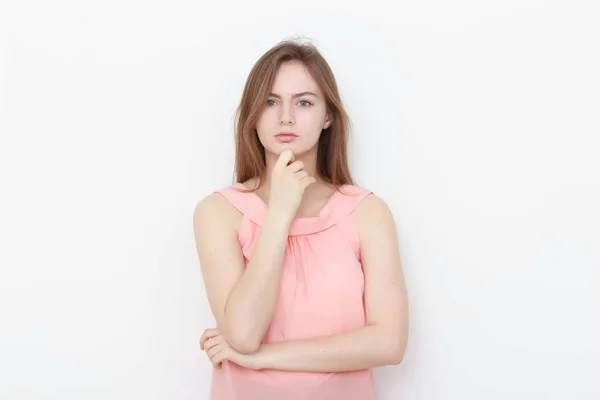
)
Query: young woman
[{"x": 300, "y": 265}]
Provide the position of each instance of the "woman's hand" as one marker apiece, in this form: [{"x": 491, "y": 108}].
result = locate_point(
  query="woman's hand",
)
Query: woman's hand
[
  {"x": 289, "y": 180},
  {"x": 218, "y": 350}
]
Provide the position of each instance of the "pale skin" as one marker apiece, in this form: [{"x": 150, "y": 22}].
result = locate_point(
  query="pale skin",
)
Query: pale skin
[{"x": 243, "y": 297}]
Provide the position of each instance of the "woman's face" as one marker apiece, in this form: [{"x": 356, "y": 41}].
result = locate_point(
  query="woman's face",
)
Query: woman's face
[{"x": 295, "y": 112}]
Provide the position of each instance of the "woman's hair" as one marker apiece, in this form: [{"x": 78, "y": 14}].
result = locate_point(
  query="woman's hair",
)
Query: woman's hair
[{"x": 332, "y": 158}]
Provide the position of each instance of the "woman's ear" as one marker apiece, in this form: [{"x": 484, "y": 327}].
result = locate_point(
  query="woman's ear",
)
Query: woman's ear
[{"x": 328, "y": 121}]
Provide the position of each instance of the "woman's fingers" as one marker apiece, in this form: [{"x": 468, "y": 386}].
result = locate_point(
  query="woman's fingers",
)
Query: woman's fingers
[
  {"x": 217, "y": 354},
  {"x": 213, "y": 351},
  {"x": 218, "y": 358},
  {"x": 211, "y": 342},
  {"x": 301, "y": 174},
  {"x": 296, "y": 166},
  {"x": 207, "y": 334}
]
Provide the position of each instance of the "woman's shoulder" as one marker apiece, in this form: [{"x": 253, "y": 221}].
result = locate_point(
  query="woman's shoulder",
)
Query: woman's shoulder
[
  {"x": 372, "y": 206},
  {"x": 362, "y": 202},
  {"x": 218, "y": 206}
]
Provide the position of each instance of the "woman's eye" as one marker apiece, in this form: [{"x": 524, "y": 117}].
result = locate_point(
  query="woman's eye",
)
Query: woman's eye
[
  {"x": 304, "y": 103},
  {"x": 270, "y": 103}
]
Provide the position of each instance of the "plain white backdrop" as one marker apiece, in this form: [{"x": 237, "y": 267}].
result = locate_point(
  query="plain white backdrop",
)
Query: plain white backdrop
[{"x": 477, "y": 121}]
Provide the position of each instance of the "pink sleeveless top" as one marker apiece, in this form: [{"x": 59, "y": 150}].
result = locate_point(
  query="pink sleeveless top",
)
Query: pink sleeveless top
[{"x": 321, "y": 293}]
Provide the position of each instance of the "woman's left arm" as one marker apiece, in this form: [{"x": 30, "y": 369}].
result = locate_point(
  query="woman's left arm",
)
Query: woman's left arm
[{"x": 382, "y": 341}]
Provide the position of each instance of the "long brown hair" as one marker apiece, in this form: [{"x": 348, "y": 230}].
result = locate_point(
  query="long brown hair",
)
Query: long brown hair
[{"x": 332, "y": 155}]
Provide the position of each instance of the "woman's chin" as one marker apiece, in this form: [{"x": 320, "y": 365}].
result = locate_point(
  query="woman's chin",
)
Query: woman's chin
[
  {"x": 278, "y": 148},
  {"x": 298, "y": 149}
]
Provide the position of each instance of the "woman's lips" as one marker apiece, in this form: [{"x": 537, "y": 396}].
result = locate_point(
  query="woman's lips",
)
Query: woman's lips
[{"x": 286, "y": 137}]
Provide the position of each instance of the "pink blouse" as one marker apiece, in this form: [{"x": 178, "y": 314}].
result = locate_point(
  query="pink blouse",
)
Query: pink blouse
[{"x": 321, "y": 293}]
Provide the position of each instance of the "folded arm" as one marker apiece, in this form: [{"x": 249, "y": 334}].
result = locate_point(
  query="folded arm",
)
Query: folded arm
[
  {"x": 384, "y": 338},
  {"x": 242, "y": 297}
]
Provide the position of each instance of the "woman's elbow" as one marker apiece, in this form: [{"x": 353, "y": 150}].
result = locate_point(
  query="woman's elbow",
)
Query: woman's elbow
[
  {"x": 394, "y": 352},
  {"x": 396, "y": 356},
  {"x": 243, "y": 344},
  {"x": 245, "y": 347},
  {"x": 397, "y": 346}
]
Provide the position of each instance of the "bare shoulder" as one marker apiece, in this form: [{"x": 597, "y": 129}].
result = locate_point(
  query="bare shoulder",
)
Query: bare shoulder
[
  {"x": 374, "y": 219},
  {"x": 213, "y": 211},
  {"x": 372, "y": 209}
]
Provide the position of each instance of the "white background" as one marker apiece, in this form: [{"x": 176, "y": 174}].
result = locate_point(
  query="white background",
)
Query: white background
[{"x": 477, "y": 121}]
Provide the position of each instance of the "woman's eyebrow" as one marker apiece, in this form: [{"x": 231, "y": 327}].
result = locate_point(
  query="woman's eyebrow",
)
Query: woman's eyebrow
[{"x": 295, "y": 95}]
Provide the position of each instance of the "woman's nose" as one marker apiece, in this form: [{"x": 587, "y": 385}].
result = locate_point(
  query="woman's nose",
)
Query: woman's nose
[{"x": 286, "y": 115}]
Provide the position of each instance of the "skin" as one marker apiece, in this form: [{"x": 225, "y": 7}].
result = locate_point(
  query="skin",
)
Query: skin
[
  {"x": 304, "y": 115},
  {"x": 242, "y": 298}
]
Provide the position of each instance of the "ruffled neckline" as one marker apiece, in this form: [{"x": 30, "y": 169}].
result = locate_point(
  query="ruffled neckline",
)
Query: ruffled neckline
[{"x": 327, "y": 217}]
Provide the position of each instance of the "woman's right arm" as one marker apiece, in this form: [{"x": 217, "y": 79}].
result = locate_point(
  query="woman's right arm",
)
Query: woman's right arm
[{"x": 242, "y": 297}]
